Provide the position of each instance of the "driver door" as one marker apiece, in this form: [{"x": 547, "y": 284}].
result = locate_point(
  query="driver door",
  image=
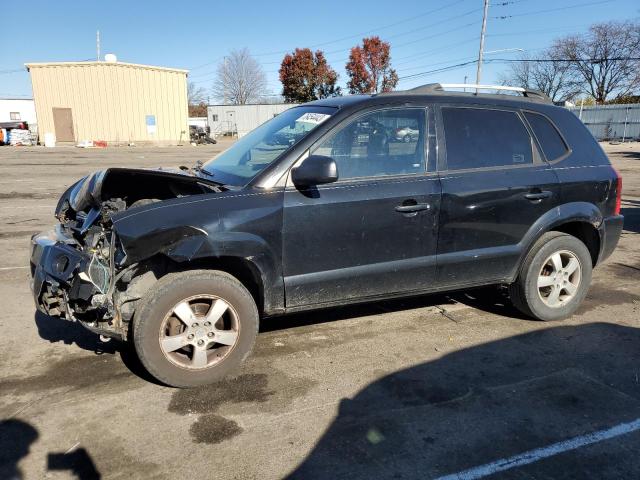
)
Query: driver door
[{"x": 372, "y": 233}]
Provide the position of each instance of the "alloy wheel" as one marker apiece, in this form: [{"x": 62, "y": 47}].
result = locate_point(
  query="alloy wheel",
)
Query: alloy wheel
[
  {"x": 199, "y": 332},
  {"x": 559, "y": 278}
]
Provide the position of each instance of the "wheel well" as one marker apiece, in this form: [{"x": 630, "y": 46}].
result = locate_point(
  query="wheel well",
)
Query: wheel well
[
  {"x": 586, "y": 233},
  {"x": 243, "y": 270}
]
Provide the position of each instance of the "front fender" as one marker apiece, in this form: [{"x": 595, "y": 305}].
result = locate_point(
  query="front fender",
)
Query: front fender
[
  {"x": 565, "y": 213},
  {"x": 246, "y": 227}
]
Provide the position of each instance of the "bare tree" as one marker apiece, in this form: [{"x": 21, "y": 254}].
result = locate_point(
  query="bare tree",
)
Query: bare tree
[
  {"x": 548, "y": 73},
  {"x": 240, "y": 79},
  {"x": 196, "y": 95},
  {"x": 605, "y": 59},
  {"x": 197, "y": 100}
]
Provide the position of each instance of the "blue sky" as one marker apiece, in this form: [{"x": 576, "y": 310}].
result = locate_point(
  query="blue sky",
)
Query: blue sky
[{"x": 424, "y": 35}]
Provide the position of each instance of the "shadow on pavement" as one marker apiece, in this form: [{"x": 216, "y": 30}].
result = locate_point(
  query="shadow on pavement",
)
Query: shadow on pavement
[
  {"x": 56, "y": 330},
  {"x": 77, "y": 462},
  {"x": 628, "y": 154},
  {"x": 493, "y": 401},
  {"x": 631, "y": 212},
  {"x": 16, "y": 437},
  {"x": 489, "y": 299}
]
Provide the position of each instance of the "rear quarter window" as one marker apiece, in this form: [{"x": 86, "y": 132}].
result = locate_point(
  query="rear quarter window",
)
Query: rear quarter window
[
  {"x": 483, "y": 138},
  {"x": 550, "y": 140}
]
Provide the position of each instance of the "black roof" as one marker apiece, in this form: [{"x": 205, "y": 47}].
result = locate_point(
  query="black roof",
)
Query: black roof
[{"x": 436, "y": 93}]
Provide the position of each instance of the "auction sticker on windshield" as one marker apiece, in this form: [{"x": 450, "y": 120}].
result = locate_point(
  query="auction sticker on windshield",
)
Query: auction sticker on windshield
[{"x": 315, "y": 118}]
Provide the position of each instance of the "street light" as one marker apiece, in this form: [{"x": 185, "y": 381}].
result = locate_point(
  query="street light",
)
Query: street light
[{"x": 504, "y": 50}]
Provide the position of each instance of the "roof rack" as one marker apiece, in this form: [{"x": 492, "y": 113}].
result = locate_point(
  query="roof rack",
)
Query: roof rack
[{"x": 440, "y": 87}]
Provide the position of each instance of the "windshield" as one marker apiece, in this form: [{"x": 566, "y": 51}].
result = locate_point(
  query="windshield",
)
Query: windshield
[{"x": 252, "y": 153}]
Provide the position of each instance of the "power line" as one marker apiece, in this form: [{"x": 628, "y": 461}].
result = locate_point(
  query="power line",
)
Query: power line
[
  {"x": 567, "y": 7},
  {"x": 438, "y": 70},
  {"x": 439, "y": 49},
  {"x": 512, "y": 60},
  {"x": 328, "y": 42},
  {"x": 435, "y": 64},
  {"x": 540, "y": 30},
  {"x": 445, "y": 20},
  {"x": 558, "y": 60},
  {"x": 6, "y": 72}
]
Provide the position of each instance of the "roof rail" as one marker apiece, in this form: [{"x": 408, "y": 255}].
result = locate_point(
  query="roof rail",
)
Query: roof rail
[{"x": 440, "y": 87}]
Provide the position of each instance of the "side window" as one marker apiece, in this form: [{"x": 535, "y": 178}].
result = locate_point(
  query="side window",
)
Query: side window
[
  {"x": 384, "y": 142},
  {"x": 550, "y": 140},
  {"x": 477, "y": 138}
]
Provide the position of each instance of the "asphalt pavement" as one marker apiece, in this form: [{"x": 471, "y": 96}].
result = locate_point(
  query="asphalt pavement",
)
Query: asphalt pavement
[{"x": 453, "y": 386}]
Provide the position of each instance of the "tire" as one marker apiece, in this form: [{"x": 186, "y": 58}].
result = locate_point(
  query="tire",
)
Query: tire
[
  {"x": 539, "y": 265},
  {"x": 407, "y": 138},
  {"x": 158, "y": 328}
]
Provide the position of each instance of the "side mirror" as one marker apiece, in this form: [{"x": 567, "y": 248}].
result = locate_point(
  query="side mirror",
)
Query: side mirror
[{"x": 315, "y": 170}]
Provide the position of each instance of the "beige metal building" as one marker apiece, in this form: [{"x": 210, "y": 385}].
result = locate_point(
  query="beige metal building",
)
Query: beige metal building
[{"x": 112, "y": 101}]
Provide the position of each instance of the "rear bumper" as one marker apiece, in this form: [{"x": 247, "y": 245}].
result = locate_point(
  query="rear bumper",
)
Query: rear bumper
[{"x": 610, "y": 232}]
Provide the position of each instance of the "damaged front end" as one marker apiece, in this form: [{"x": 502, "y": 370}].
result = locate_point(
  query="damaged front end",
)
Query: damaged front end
[{"x": 80, "y": 270}]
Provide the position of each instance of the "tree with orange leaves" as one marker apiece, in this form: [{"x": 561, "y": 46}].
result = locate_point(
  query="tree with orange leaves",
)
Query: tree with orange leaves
[
  {"x": 306, "y": 76},
  {"x": 369, "y": 67}
]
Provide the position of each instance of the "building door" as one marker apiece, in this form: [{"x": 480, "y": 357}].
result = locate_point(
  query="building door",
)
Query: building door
[
  {"x": 231, "y": 121},
  {"x": 63, "y": 124}
]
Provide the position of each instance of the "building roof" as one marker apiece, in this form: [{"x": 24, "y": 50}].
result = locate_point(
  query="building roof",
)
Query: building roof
[{"x": 102, "y": 64}]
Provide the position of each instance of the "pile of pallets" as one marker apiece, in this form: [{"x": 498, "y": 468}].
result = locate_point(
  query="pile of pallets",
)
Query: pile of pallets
[{"x": 20, "y": 137}]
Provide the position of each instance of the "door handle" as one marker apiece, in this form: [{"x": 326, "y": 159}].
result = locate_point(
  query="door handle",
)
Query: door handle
[
  {"x": 533, "y": 196},
  {"x": 416, "y": 207}
]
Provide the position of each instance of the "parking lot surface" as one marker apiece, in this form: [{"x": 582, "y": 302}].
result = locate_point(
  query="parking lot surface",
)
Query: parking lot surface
[{"x": 430, "y": 387}]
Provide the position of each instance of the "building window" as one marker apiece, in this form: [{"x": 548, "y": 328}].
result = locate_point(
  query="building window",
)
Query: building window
[
  {"x": 150, "y": 120},
  {"x": 214, "y": 118},
  {"x": 14, "y": 115}
]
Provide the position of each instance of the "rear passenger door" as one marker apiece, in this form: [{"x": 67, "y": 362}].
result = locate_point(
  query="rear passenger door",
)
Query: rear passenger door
[{"x": 495, "y": 185}]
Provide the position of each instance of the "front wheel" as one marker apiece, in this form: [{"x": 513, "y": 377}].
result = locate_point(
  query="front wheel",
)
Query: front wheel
[
  {"x": 554, "y": 278},
  {"x": 195, "y": 327}
]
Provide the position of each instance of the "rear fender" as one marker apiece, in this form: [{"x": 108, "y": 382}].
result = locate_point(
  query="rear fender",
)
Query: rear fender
[{"x": 565, "y": 213}]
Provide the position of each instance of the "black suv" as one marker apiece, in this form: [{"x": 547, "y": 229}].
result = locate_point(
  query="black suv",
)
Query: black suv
[{"x": 322, "y": 206}]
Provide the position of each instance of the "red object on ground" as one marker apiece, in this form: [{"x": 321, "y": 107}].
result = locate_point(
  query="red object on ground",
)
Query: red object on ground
[{"x": 100, "y": 143}]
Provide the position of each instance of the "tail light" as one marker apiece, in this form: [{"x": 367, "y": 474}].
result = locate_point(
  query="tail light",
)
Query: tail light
[{"x": 618, "y": 193}]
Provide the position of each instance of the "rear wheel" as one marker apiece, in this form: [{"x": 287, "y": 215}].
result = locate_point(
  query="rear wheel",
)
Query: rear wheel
[
  {"x": 195, "y": 327},
  {"x": 554, "y": 278}
]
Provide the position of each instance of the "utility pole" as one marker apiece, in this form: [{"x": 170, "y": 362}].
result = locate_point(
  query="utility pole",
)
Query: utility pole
[
  {"x": 482, "y": 33},
  {"x": 98, "y": 45}
]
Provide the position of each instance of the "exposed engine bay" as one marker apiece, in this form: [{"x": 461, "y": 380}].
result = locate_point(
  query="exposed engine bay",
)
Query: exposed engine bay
[{"x": 82, "y": 271}]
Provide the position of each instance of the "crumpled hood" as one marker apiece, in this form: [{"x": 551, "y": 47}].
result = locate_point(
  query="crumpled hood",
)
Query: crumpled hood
[{"x": 131, "y": 184}]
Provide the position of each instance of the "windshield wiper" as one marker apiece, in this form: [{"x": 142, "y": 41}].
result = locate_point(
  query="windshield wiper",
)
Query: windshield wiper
[{"x": 198, "y": 168}]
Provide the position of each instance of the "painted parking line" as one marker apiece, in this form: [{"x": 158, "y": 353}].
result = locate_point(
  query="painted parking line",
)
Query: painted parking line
[
  {"x": 13, "y": 268},
  {"x": 544, "y": 452},
  {"x": 26, "y": 206}
]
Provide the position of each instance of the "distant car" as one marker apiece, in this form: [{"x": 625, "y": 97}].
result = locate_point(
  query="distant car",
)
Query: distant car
[
  {"x": 406, "y": 134},
  {"x": 315, "y": 209}
]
